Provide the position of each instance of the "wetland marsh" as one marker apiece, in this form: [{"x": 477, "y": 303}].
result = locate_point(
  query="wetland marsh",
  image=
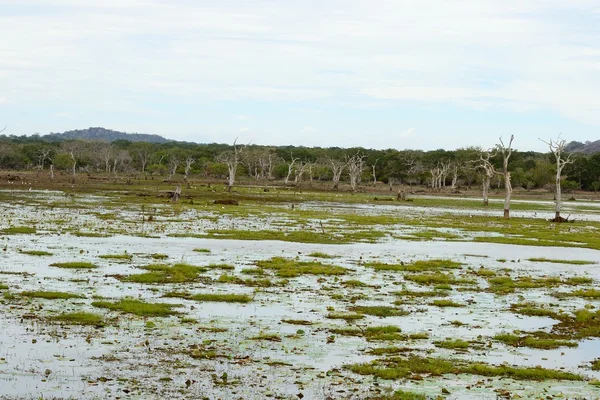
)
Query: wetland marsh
[{"x": 121, "y": 294}]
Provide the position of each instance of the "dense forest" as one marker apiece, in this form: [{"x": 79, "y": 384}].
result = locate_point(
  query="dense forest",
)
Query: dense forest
[{"x": 179, "y": 160}]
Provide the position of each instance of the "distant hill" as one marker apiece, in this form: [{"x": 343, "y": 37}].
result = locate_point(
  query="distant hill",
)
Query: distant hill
[
  {"x": 104, "y": 134},
  {"x": 586, "y": 148}
]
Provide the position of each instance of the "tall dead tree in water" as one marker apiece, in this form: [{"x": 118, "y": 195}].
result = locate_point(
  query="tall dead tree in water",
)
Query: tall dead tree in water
[
  {"x": 231, "y": 159},
  {"x": 506, "y": 151},
  {"x": 557, "y": 148}
]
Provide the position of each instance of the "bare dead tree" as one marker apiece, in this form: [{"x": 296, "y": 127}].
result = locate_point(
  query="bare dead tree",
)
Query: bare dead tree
[
  {"x": 488, "y": 173},
  {"x": 337, "y": 168},
  {"x": 436, "y": 177},
  {"x": 454, "y": 169},
  {"x": 122, "y": 158},
  {"x": 176, "y": 194},
  {"x": 174, "y": 162},
  {"x": 373, "y": 173},
  {"x": 231, "y": 159},
  {"x": 76, "y": 150},
  {"x": 267, "y": 163},
  {"x": 557, "y": 148},
  {"x": 506, "y": 151},
  {"x": 290, "y": 168},
  {"x": 300, "y": 170},
  {"x": 42, "y": 155},
  {"x": 355, "y": 168},
  {"x": 189, "y": 161}
]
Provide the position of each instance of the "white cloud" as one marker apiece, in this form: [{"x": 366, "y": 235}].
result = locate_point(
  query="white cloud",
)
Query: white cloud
[
  {"x": 410, "y": 132},
  {"x": 478, "y": 54}
]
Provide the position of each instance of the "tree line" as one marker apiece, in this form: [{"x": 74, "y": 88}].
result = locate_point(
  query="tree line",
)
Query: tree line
[{"x": 437, "y": 169}]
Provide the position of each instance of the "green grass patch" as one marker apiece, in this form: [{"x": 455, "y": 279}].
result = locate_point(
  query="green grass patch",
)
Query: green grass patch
[
  {"x": 74, "y": 265},
  {"x": 221, "y": 266},
  {"x": 345, "y": 316},
  {"x": 39, "y": 253},
  {"x": 399, "y": 395},
  {"x": 79, "y": 318},
  {"x": 138, "y": 307},
  {"x": 212, "y": 297},
  {"x": 401, "y": 368},
  {"x": 380, "y": 311},
  {"x": 288, "y": 268},
  {"x": 163, "y": 273},
  {"x": 437, "y": 278},
  {"x": 318, "y": 254},
  {"x": 417, "y": 266},
  {"x": 202, "y": 250},
  {"x": 51, "y": 295},
  {"x": 123, "y": 256},
  {"x": 445, "y": 303},
  {"x": 19, "y": 230},
  {"x": 452, "y": 344},
  {"x": 555, "y": 261},
  {"x": 159, "y": 256},
  {"x": 545, "y": 341}
]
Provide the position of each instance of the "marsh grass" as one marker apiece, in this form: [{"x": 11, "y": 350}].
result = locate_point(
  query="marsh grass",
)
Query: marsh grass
[
  {"x": 446, "y": 303},
  {"x": 163, "y": 273},
  {"x": 51, "y": 295},
  {"x": 79, "y": 318},
  {"x": 533, "y": 310},
  {"x": 380, "y": 311},
  {"x": 226, "y": 298},
  {"x": 318, "y": 254},
  {"x": 401, "y": 368},
  {"x": 138, "y": 307},
  {"x": 221, "y": 266},
  {"x": 345, "y": 316},
  {"x": 437, "y": 278},
  {"x": 288, "y": 268},
  {"x": 202, "y": 250},
  {"x": 3, "y": 286},
  {"x": 452, "y": 344},
  {"x": 74, "y": 265},
  {"x": 19, "y": 230},
  {"x": 248, "y": 282},
  {"x": 417, "y": 266},
  {"x": 541, "y": 340},
  {"x": 555, "y": 261},
  {"x": 39, "y": 253},
  {"x": 124, "y": 256}
]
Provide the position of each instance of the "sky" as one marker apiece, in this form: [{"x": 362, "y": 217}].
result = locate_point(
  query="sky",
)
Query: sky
[{"x": 421, "y": 74}]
